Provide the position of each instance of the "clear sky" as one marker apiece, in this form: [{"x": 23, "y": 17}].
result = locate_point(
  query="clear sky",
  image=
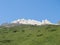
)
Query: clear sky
[{"x": 29, "y": 9}]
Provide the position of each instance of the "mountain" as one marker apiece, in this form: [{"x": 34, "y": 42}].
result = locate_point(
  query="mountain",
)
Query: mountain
[
  {"x": 29, "y": 32},
  {"x": 31, "y": 22}
]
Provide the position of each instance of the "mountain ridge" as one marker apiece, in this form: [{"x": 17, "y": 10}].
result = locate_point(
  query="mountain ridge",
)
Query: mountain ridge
[{"x": 31, "y": 22}]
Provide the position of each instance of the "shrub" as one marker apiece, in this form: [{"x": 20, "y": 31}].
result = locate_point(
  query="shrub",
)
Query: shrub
[
  {"x": 38, "y": 30},
  {"x": 39, "y": 35},
  {"x": 48, "y": 27},
  {"x": 6, "y": 41},
  {"x": 52, "y": 30},
  {"x": 23, "y": 30},
  {"x": 29, "y": 35},
  {"x": 15, "y": 31}
]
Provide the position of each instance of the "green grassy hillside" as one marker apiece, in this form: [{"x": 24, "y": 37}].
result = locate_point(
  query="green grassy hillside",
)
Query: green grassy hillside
[{"x": 30, "y": 35}]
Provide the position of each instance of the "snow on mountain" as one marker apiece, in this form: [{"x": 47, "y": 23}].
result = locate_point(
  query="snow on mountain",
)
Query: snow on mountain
[{"x": 31, "y": 22}]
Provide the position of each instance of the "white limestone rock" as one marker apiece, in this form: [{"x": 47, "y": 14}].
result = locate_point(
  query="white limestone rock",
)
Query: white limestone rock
[{"x": 31, "y": 22}]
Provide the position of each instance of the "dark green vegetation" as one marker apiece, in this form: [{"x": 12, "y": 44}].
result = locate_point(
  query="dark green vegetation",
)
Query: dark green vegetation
[{"x": 30, "y": 35}]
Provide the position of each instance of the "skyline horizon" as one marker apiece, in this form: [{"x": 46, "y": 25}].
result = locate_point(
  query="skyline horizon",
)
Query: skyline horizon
[{"x": 29, "y": 19}]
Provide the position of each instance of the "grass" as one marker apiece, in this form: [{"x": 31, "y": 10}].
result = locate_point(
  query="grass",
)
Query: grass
[{"x": 30, "y": 35}]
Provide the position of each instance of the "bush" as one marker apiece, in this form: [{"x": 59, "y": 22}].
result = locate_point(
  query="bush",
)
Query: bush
[
  {"x": 29, "y": 35},
  {"x": 48, "y": 27},
  {"x": 39, "y": 35},
  {"x": 23, "y": 30},
  {"x": 5, "y": 41},
  {"x": 15, "y": 31},
  {"x": 52, "y": 30},
  {"x": 38, "y": 30}
]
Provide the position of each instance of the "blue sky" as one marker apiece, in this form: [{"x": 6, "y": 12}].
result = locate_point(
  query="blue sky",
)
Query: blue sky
[{"x": 29, "y": 9}]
